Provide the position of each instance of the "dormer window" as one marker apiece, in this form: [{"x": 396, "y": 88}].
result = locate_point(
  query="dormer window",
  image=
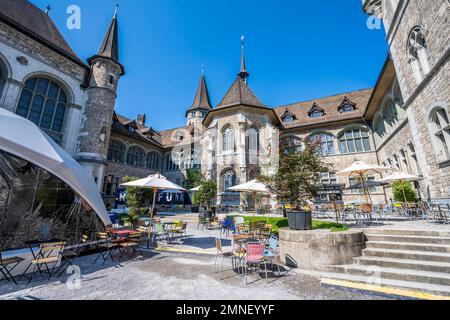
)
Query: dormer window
[
  {"x": 288, "y": 117},
  {"x": 347, "y": 106},
  {"x": 316, "y": 112}
]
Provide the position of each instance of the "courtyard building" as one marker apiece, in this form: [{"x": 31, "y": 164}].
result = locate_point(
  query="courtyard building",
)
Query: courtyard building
[{"x": 403, "y": 122}]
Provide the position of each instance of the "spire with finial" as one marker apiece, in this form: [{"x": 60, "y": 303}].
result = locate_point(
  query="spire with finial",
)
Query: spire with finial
[
  {"x": 47, "y": 9},
  {"x": 110, "y": 45},
  {"x": 243, "y": 74}
]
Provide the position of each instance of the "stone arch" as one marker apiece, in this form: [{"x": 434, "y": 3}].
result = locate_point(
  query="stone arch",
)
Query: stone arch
[{"x": 63, "y": 84}]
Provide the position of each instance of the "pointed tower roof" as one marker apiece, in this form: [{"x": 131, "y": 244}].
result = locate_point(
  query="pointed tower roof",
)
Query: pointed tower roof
[
  {"x": 201, "y": 100},
  {"x": 243, "y": 74},
  {"x": 110, "y": 45},
  {"x": 240, "y": 94}
]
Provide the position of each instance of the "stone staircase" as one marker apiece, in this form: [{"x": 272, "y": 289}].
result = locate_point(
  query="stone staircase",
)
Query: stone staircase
[{"x": 412, "y": 260}]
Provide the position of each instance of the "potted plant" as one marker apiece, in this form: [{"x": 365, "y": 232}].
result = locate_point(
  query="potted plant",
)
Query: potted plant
[
  {"x": 207, "y": 192},
  {"x": 194, "y": 178},
  {"x": 297, "y": 181}
]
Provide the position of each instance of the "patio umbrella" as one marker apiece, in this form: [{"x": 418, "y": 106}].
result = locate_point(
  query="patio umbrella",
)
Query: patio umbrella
[
  {"x": 254, "y": 187},
  {"x": 361, "y": 169},
  {"x": 369, "y": 184},
  {"x": 22, "y": 138},
  {"x": 156, "y": 183},
  {"x": 401, "y": 177},
  {"x": 196, "y": 189}
]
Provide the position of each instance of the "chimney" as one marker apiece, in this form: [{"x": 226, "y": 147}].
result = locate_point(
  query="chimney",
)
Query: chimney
[{"x": 141, "y": 119}]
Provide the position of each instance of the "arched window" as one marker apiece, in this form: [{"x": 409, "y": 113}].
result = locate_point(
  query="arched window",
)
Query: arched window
[
  {"x": 228, "y": 140},
  {"x": 252, "y": 145},
  {"x": 413, "y": 158},
  {"x": 404, "y": 161},
  {"x": 325, "y": 143},
  {"x": 379, "y": 126},
  {"x": 153, "y": 160},
  {"x": 169, "y": 164},
  {"x": 116, "y": 151},
  {"x": 228, "y": 180},
  {"x": 390, "y": 112},
  {"x": 136, "y": 157},
  {"x": 419, "y": 55},
  {"x": 356, "y": 140},
  {"x": 291, "y": 144},
  {"x": 44, "y": 102},
  {"x": 440, "y": 133}
]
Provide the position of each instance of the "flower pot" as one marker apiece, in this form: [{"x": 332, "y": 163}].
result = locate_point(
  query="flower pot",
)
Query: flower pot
[{"x": 300, "y": 220}]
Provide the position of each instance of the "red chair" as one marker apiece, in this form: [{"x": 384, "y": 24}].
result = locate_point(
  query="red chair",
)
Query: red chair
[{"x": 254, "y": 258}]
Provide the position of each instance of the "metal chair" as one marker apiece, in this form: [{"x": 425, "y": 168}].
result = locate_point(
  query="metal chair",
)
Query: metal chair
[
  {"x": 222, "y": 255},
  {"x": 68, "y": 256},
  {"x": 7, "y": 266},
  {"x": 106, "y": 247},
  {"x": 272, "y": 252},
  {"x": 44, "y": 258},
  {"x": 254, "y": 258}
]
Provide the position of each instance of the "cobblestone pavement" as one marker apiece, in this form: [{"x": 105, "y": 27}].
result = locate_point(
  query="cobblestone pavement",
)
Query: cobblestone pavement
[{"x": 174, "y": 276}]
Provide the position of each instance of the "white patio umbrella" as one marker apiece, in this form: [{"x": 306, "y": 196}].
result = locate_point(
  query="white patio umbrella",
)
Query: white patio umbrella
[
  {"x": 196, "y": 189},
  {"x": 22, "y": 138},
  {"x": 254, "y": 187},
  {"x": 401, "y": 177},
  {"x": 156, "y": 183},
  {"x": 361, "y": 169}
]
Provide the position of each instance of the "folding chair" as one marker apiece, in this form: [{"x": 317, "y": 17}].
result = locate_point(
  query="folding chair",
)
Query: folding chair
[
  {"x": 222, "y": 255},
  {"x": 255, "y": 257},
  {"x": 272, "y": 252},
  {"x": 68, "y": 256},
  {"x": 106, "y": 247},
  {"x": 44, "y": 258},
  {"x": 7, "y": 266}
]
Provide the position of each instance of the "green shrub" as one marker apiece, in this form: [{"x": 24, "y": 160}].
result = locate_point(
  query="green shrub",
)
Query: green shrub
[{"x": 409, "y": 192}]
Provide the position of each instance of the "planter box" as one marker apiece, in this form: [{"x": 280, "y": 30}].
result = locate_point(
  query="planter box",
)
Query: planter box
[{"x": 300, "y": 220}]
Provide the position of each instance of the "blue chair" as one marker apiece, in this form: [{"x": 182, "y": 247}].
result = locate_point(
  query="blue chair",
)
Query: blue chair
[
  {"x": 271, "y": 252},
  {"x": 227, "y": 226}
]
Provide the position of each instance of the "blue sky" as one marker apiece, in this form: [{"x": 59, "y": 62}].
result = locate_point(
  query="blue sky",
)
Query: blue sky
[{"x": 295, "y": 50}]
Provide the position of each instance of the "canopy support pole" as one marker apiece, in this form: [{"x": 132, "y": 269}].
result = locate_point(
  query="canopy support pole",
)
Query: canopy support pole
[{"x": 150, "y": 223}]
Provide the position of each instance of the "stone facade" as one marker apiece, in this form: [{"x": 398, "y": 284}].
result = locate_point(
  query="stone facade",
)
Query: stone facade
[
  {"x": 396, "y": 114},
  {"x": 422, "y": 92}
]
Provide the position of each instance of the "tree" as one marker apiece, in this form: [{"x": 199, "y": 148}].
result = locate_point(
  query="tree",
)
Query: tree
[
  {"x": 297, "y": 178},
  {"x": 194, "y": 178},
  {"x": 402, "y": 190},
  {"x": 207, "y": 192},
  {"x": 137, "y": 200}
]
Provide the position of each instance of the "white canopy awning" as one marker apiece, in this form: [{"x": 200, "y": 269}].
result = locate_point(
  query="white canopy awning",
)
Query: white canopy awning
[{"x": 22, "y": 138}]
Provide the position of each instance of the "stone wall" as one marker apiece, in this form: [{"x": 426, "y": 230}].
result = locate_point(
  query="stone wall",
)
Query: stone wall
[
  {"x": 420, "y": 97},
  {"x": 25, "y": 58}
]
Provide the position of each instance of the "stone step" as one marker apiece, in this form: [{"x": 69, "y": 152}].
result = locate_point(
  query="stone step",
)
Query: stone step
[
  {"x": 420, "y": 265},
  {"x": 435, "y": 289},
  {"x": 408, "y": 232},
  {"x": 375, "y": 273},
  {"x": 408, "y": 238},
  {"x": 407, "y": 254},
  {"x": 412, "y": 246}
]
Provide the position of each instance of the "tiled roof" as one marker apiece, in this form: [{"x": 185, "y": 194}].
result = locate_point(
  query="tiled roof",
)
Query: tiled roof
[
  {"x": 240, "y": 94},
  {"x": 201, "y": 100},
  {"x": 330, "y": 105},
  {"x": 30, "y": 20},
  {"x": 171, "y": 137},
  {"x": 142, "y": 133}
]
